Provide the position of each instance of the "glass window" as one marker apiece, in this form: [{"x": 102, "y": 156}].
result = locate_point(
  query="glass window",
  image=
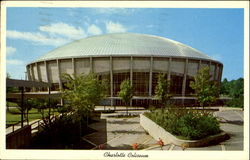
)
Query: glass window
[
  {"x": 176, "y": 84},
  {"x": 141, "y": 83},
  {"x": 117, "y": 80}
]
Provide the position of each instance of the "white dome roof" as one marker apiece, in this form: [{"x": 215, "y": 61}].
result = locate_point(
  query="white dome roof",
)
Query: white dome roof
[{"x": 124, "y": 44}]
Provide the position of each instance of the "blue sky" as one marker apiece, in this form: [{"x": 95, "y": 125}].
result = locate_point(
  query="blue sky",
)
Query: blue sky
[{"x": 32, "y": 32}]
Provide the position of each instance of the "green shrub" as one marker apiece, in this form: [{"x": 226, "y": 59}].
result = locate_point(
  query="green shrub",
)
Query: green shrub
[
  {"x": 189, "y": 124},
  {"x": 236, "y": 102}
]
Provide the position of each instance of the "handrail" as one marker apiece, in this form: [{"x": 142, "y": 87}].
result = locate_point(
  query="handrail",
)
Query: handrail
[{"x": 38, "y": 122}]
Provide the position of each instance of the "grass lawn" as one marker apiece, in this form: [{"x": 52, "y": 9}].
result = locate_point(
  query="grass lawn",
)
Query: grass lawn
[
  {"x": 12, "y": 118},
  {"x": 11, "y": 104},
  {"x": 14, "y": 115}
]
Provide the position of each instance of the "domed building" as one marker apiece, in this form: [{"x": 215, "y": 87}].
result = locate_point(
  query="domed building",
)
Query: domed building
[{"x": 120, "y": 56}]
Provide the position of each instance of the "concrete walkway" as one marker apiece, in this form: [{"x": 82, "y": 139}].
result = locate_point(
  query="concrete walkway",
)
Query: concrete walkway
[
  {"x": 120, "y": 133},
  {"x": 18, "y": 126}
]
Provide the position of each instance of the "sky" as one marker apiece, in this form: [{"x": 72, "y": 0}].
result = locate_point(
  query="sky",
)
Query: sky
[{"x": 32, "y": 32}]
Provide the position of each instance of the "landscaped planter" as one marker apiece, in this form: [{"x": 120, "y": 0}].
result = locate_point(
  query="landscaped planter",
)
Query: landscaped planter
[{"x": 157, "y": 132}]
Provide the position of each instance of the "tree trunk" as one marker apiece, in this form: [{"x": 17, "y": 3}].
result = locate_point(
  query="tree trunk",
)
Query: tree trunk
[
  {"x": 27, "y": 117},
  {"x": 127, "y": 108},
  {"x": 49, "y": 116},
  {"x": 22, "y": 118}
]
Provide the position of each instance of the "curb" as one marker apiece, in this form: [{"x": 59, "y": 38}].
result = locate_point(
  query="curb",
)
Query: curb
[
  {"x": 230, "y": 109},
  {"x": 158, "y": 132}
]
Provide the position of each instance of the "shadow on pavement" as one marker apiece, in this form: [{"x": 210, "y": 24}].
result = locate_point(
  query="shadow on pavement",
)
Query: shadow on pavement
[
  {"x": 233, "y": 122},
  {"x": 122, "y": 122},
  {"x": 127, "y": 132}
]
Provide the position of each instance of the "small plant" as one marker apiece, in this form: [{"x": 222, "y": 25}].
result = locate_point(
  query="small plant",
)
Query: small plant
[
  {"x": 162, "y": 89},
  {"x": 161, "y": 143},
  {"x": 184, "y": 146},
  {"x": 206, "y": 90},
  {"x": 101, "y": 146},
  {"x": 135, "y": 146},
  {"x": 126, "y": 92}
]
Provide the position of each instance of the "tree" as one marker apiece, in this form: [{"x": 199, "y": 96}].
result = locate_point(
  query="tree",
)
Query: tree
[
  {"x": 236, "y": 88},
  {"x": 83, "y": 93},
  {"x": 225, "y": 87},
  {"x": 162, "y": 89},
  {"x": 236, "y": 92},
  {"x": 29, "y": 103},
  {"x": 42, "y": 105},
  {"x": 126, "y": 92},
  {"x": 206, "y": 90},
  {"x": 24, "y": 107}
]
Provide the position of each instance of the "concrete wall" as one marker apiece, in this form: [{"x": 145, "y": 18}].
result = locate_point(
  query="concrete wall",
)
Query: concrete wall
[
  {"x": 141, "y": 64},
  {"x": 178, "y": 66},
  {"x": 53, "y": 72},
  {"x": 193, "y": 67},
  {"x": 101, "y": 65},
  {"x": 82, "y": 66},
  {"x": 66, "y": 66},
  {"x": 109, "y": 65},
  {"x": 121, "y": 63},
  {"x": 42, "y": 71},
  {"x": 160, "y": 64}
]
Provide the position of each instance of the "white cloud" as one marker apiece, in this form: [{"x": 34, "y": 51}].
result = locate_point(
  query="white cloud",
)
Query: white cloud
[
  {"x": 112, "y": 27},
  {"x": 14, "y": 62},
  {"x": 57, "y": 34},
  {"x": 37, "y": 37},
  {"x": 94, "y": 30},
  {"x": 54, "y": 34},
  {"x": 64, "y": 29},
  {"x": 10, "y": 50},
  {"x": 120, "y": 11}
]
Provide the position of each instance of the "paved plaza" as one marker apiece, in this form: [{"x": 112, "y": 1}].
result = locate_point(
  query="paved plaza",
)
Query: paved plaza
[
  {"x": 115, "y": 132},
  {"x": 120, "y": 133}
]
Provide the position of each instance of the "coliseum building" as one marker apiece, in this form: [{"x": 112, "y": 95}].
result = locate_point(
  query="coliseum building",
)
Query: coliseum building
[{"x": 116, "y": 57}]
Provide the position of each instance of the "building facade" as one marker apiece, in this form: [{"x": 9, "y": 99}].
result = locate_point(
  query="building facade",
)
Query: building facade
[{"x": 116, "y": 57}]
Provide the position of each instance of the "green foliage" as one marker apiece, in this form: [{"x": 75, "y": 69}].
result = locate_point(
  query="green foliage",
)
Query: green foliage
[
  {"x": 13, "y": 115},
  {"x": 126, "y": 92},
  {"x": 235, "y": 90},
  {"x": 40, "y": 104},
  {"x": 162, "y": 89},
  {"x": 83, "y": 92},
  {"x": 206, "y": 90},
  {"x": 225, "y": 87},
  {"x": 196, "y": 127},
  {"x": 236, "y": 102},
  {"x": 185, "y": 123}
]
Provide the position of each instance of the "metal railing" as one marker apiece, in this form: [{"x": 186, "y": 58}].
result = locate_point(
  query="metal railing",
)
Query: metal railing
[{"x": 34, "y": 125}]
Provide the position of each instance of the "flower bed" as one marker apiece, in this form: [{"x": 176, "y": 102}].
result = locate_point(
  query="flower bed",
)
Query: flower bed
[{"x": 157, "y": 132}]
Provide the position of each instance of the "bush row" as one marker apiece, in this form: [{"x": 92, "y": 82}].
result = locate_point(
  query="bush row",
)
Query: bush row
[{"x": 186, "y": 123}]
